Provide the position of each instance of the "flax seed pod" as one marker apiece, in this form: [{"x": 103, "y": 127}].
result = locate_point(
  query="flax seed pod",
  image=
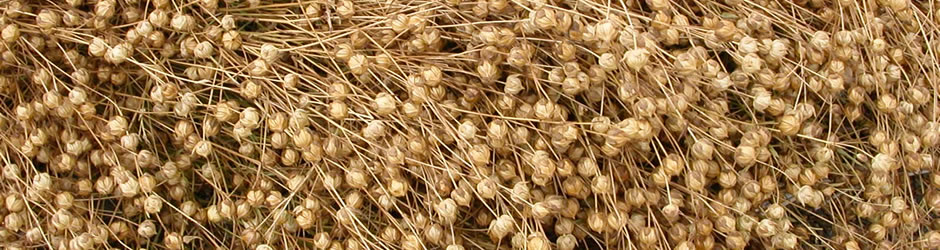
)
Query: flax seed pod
[
  {"x": 48, "y": 19},
  {"x": 883, "y": 163},
  {"x": 358, "y": 64},
  {"x": 746, "y": 156},
  {"x": 384, "y": 104},
  {"x": 637, "y": 58},
  {"x": 479, "y": 155},
  {"x": 10, "y": 33},
  {"x": 374, "y": 130},
  {"x": 153, "y": 204},
  {"x": 602, "y": 184},
  {"x": 789, "y": 125},
  {"x": 447, "y": 210},
  {"x": 537, "y": 241},
  {"x": 203, "y": 50},
  {"x": 703, "y": 149},
  {"x": 487, "y": 188},
  {"x": 268, "y": 52},
  {"x": 231, "y": 40},
  {"x": 809, "y": 196}
]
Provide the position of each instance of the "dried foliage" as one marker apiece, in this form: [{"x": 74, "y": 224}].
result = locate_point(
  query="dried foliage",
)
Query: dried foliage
[{"x": 496, "y": 124}]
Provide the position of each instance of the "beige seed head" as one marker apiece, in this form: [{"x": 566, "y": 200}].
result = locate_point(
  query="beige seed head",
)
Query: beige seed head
[
  {"x": 338, "y": 110},
  {"x": 488, "y": 72},
  {"x": 432, "y": 76},
  {"x": 11, "y": 171},
  {"x": 118, "y": 54},
  {"x": 10, "y": 33},
  {"x": 291, "y": 81},
  {"x": 883, "y": 163},
  {"x": 358, "y": 64},
  {"x": 129, "y": 188},
  {"x": 147, "y": 229},
  {"x": 346, "y": 9},
  {"x": 250, "y": 89},
  {"x": 602, "y": 184},
  {"x": 153, "y": 204},
  {"x": 48, "y": 19},
  {"x": 789, "y": 125},
  {"x": 637, "y": 58},
  {"x": 203, "y": 148},
  {"x": 809, "y": 196},
  {"x": 357, "y": 178},
  {"x": 203, "y": 50},
  {"x": 231, "y": 40},
  {"x": 159, "y": 18},
  {"x": 447, "y": 210},
  {"x": 931, "y": 239},
  {"x": 78, "y": 96},
  {"x": 98, "y": 47},
  {"x": 745, "y": 156},
  {"x": 374, "y": 130},
  {"x": 703, "y": 149},
  {"x": 269, "y": 52},
  {"x": 62, "y": 219},
  {"x": 384, "y": 104},
  {"x": 228, "y": 22},
  {"x": 42, "y": 182},
  {"x": 64, "y": 200},
  {"x": 398, "y": 187},
  {"x": 766, "y": 228},
  {"x": 13, "y": 222},
  {"x": 182, "y": 22},
  {"x": 538, "y": 241},
  {"x": 258, "y": 67},
  {"x": 514, "y": 84}
]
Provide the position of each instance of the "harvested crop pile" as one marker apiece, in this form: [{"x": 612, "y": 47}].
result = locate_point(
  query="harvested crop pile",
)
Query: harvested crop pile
[{"x": 497, "y": 124}]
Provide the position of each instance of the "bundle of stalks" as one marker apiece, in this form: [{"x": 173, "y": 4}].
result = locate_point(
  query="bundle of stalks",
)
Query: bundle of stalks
[{"x": 496, "y": 124}]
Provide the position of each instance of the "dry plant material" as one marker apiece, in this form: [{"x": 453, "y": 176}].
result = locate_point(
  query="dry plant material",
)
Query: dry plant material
[{"x": 349, "y": 124}]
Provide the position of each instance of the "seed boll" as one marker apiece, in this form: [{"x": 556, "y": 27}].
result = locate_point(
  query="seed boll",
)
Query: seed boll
[
  {"x": 374, "y": 130},
  {"x": 432, "y": 76},
  {"x": 10, "y": 33},
  {"x": 487, "y": 189},
  {"x": 809, "y": 196},
  {"x": 609, "y": 62},
  {"x": 602, "y": 184},
  {"x": 358, "y": 64},
  {"x": 48, "y": 19},
  {"x": 338, "y": 110},
  {"x": 147, "y": 229},
  {"x": 488, "y": 72},
  {"x": 118, "y": 54},
  {"x": 153, "y": 204},
  {"x": 183, "y": 22},
  {"x": 703, "y": 149},
  {"x": 250, "y": 89},
  {"x": 203, "y": 50},
  {"x": 447, "y": 210},
  {"x": 513, "y": 85},
  {"x": 231, "y": 40},
  {"x": 637, "y": 58},
  {"x": 203, "y": 148},
  {"x": 42, "y": 182},
  {"x": 258, "y": 67},
  {"x": 537, "y": 241},
  {"x": 384, "y": 104},
  {"x": 789, "y": 125},
  {"x": 883, "y": 163},
  {"x": 269, "y": 52},
  {"x": 746, "y": 156},
  {"x": 931, "y": 239}
]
